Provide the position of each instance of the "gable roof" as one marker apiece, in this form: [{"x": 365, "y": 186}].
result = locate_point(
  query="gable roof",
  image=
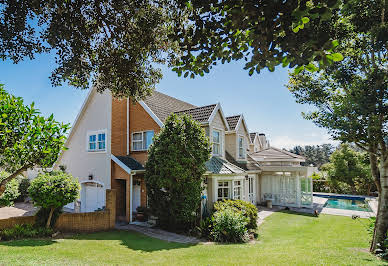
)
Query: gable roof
[
  {"x": 275, "y": 154},
  {"x": 217, "y": 165},
  {"x": 249, "y": 165},
  {"x": 163, "y": 105},
  {"x": 253, "y": 135},
  {"x": 201, "y": 114},
  {"x": 232, "y": 121}
]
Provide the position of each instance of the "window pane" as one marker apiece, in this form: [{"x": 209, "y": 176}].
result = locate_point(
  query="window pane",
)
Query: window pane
[
  {"x": 92, "y": 138},
  {"x": 137, "y": 146},
  {"x": 101, "y": 137},
  {"x": 149, "y": 137},
  {"x": 216, "y": 149},
  {"x": 138, "y": 136},
  {"x": 92, "y": 146},
  {"x": 216, "y": 136},
  {"x": 101, "y": 145}
]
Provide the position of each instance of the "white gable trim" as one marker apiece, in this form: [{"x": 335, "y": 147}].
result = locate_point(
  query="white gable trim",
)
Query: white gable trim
[
  {"x": 216, "y": 109},
  {"x": 120, "y": 163},
  {"x": 149, "y": 111}
]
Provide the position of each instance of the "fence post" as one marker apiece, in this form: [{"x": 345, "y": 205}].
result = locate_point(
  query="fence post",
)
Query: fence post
[{"x": 111, "y": 206}]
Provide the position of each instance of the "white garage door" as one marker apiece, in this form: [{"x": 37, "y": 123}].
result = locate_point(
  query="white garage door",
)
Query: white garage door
[{"x": 92, "y": 197}]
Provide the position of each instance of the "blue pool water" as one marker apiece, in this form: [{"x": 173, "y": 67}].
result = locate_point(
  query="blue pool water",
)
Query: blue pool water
[{"x": 346, "y": 203}]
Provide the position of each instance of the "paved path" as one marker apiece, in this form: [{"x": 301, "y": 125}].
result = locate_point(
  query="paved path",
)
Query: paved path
[
  {"x": 159, "y": 234},
  {"x": 19, "y": 209}
]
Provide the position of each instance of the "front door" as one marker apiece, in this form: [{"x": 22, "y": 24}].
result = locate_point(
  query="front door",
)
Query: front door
[{"x": 136, "y": 197}]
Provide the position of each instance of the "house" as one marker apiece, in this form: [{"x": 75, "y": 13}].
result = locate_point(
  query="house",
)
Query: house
[{"x": 110, "y": 137}]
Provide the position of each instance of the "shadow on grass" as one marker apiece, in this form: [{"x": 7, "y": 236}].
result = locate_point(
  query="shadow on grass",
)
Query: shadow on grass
[
  {"x": 299, "y": 213},
  {"x": 28, "y": 242},
  {"x": 132, "y": 240}
]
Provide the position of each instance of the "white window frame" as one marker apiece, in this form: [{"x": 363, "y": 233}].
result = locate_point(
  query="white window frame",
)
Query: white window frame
[
  {"x": 240, "y": 156},
  {"x": 96, "y": 133},
  {"x": 220, "y": 143},
  {"x": 228, "y": 188},
  {"x": 237, "y": 187},
  {"x": 143, "y": 140}
]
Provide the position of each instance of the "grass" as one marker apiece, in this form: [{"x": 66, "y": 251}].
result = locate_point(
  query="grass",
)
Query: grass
[{"x": 285, "y": 238}]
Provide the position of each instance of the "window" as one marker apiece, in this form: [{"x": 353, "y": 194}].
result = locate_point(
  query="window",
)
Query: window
[
  {"x": 223, "y": 190},
  {"x": 96, "y": 141},
  {"x": 237, "y": 190},
  {"x": 141, "y": 141},
  {"x": 216, "y": 142},
  {"x": 241, "y": 147}
]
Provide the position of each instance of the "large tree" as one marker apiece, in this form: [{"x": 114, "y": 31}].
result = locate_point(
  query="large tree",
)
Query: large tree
[
  {"x": 351, "y": 96},
  {"x": 174, "y": 172},
  {"x": 118, "y": 45},
  {"x": 27, "y": 139},
  {"x": 316, "y": 155}
]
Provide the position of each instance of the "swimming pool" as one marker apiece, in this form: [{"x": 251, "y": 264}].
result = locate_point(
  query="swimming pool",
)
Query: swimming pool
[{"x": 346, "y": 203}]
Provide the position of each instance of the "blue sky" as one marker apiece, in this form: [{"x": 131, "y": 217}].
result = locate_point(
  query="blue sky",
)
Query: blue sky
[{"x": 264, "y": 100}]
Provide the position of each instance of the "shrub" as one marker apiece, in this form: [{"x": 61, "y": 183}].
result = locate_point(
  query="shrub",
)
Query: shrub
[
  {"x": 24, "y": 184},
  {"x": 10, "y": 194},
  {"x": 229, "y": 226},
  {"x": 174, "y": 172},
  {"x": 53, "y": 191},
  {"x": 247, "y": 209},
  {"x": 24, "y": 231}
]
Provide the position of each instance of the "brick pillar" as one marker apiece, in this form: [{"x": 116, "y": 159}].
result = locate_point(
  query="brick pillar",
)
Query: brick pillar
[{"x": 111, "y": 206}]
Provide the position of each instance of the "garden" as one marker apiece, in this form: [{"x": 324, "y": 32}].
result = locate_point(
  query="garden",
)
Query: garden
[{"x": 284, "y": 237}]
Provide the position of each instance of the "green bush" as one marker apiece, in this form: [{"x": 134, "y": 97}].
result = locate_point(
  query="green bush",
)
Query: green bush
[
  {"x": 24, "y": 184},
  {"x": 10, "y": 194},
  {"x": 229, "y": 226},
  {"x": 21, "y": 231},
  {"x": 247, "y": 209},
  {"x": 53, "y": 191}
]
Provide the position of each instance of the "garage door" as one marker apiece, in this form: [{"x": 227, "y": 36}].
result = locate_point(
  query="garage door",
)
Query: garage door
[{"x": 92, "y": 197}]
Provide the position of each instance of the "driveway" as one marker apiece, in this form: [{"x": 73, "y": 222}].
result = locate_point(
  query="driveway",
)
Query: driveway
[{"x": 19, "y": 209}]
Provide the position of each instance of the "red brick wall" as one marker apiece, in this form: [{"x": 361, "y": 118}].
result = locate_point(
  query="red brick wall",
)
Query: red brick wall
[{"x": 119, "y": 127}]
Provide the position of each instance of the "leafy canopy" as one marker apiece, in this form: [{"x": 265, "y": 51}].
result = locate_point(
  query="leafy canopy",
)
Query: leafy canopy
[
  {"x": 119, "y": 45},
  {"x": 174, "y": 172},
  {"x": 27, "y": 139}
]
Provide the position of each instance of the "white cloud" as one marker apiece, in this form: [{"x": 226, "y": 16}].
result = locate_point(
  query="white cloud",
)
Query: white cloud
[{"x": 288, "y": 142}]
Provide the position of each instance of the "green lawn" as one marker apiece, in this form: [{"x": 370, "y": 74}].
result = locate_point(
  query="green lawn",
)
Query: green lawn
[{"x": 285, "y": 238}]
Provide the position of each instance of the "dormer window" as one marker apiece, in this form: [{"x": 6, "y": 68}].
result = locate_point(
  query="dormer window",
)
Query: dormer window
[
  {"x": 96, "y": 141},
  {"x": 241, "y": 153},
  {"x": 216, "y": 142}
]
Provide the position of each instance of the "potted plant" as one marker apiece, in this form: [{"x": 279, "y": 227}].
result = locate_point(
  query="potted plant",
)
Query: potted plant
[{"x": 141, "y": 213}]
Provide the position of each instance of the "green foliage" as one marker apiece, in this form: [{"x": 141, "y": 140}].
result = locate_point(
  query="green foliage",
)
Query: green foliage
[
  {"x": 247, "y": 209},
  {"x": 27, "y": 139},
  {"x": 54, "y": 190},
  {"x": 10, "y": 194},
  {"x": 315, "y": 155},
  {"x": 348, "y": 172},
  {"x": 24, "y": 231},
  {"x": 174, "y": 172},
  {"x": 24, "y": 184},
  {"x": 229, "y": 226}
]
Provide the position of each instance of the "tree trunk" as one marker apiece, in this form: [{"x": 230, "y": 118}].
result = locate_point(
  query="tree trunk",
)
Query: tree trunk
[
  {"x": 49, "y": 218},
  {"x": 4, "y": 182},
  {"x": 381, "y": 226}
]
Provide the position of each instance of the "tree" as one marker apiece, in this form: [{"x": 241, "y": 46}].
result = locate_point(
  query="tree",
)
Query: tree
[
  {"x": 118, "y": 45},
  {"x": 53, "y": 191},
  {"x": 348, "y": 171},
  {"x": 27, "y": 139},
  {"x": 174, "y": 172},
  {"x": 315, "y": 155},
  {"x": 351, "y": 96}
]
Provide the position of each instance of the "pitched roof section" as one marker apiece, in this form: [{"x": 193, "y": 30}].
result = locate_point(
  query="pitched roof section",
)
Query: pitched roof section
[
  {"x": 163, "y": 105},
  {"x": 201, "y": 114},
  {"x": 130, "y": 163},
  {"x": 249, "y": 165},
  {"x": 252, "y": 136},
  {"x": 275, "y": 154},
  {"x": 232, "y": 121},
  {"x": 217, "y": 165}
]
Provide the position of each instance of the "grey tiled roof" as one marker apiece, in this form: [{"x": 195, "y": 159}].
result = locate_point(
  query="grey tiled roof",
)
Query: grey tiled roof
[
  {"x": 274, "y": 154},
  {"x": 130, "y": 162},
  {"x": 232, "y": 121},
  {"x": 163, "y": 105},
  {"x": 201, "y": 114},
  {"x": 217, "y": 165},
  {"x": 249, "y": 165},
  {"x": 252, "y": 136}
]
